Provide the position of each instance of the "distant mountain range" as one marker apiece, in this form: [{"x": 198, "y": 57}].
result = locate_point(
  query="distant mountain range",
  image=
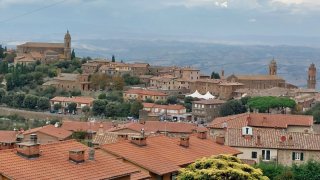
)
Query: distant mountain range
[{"x": 293, "y": 61}]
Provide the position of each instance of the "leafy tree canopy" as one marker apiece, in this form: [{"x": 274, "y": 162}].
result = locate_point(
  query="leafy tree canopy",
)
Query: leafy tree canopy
[{"x": 220, "y": 167}]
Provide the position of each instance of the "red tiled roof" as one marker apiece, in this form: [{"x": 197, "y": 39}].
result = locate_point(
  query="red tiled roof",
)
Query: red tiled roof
[
  {"x": 54, "y": 163},
  {"x": 262, "y": 120},
  {"x": 8, "y": 136},
  {"x": 85, "y": 126},
  {"x": 271, "y": 138},
  {"x": 210, "y": 101},
  {"x": 50, "y": 130},
  {"x": 80, "y": 99},
  {"x": 168, "y": 107},
  {"x": 158, "y": 126},
  {"x": 145, "y": 92},
  {"x": 163, "y": 155}
]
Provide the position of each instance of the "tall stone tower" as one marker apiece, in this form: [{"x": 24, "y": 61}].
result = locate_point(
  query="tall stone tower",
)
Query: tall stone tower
[
  {"x": 273, "y": 67},
  {"x": 67, "y": 46},
  {"x": 312, "y": 73}
]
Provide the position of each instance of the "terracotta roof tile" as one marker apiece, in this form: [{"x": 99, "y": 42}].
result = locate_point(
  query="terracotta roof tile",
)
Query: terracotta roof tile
[
  {"x": 54, "y": 163},
  {"x": 262, "y": 120},
  {"x": 59, "y": 133},
  {"x": 168, "y": 107},
  {"x": 157, "y": 127},
  {"x": 271, "y": 138},
  {"x": 163, "y": 155},
  {"x": 8, "y": 136},
  {"x": 85, "y": 126}
]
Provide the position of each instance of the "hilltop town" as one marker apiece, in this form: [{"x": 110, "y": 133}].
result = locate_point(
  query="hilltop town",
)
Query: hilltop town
[{"x": 67, "y": 117}]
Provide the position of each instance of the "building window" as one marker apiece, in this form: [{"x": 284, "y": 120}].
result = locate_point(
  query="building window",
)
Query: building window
[
  {"x": 297, "y": 156},
  {"x": 254, "y": 154},
  {"x": 266, "y": 155}
]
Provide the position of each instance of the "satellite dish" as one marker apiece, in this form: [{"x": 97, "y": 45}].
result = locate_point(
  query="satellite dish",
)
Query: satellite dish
[
  {"x": 283, "y": 138},
  {"x": 56, "y": 124}
]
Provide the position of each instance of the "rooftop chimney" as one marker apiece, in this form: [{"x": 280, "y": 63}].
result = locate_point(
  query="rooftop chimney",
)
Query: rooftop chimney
[
  {"x": 202, "y": 134},
  {"x": 76, "y": 156},
  {"x": 91, "y": 154},
  {"x": 139, "y": 140},
  {"x": 184, "y": 141},
  {"x": 220, "y": 139},
  {"x": 29, "y": 149}
]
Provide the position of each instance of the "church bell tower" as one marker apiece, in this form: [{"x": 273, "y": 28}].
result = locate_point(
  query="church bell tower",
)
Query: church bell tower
[
  {"x": 67, "y": 46},
  {"x": 312, "y": 73},
  {"x": 273, "y": 67}
]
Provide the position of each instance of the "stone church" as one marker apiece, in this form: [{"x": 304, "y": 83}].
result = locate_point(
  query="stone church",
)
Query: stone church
[
  {"x": 30, "y": 52},
  {"x": 260, "y": 81}
]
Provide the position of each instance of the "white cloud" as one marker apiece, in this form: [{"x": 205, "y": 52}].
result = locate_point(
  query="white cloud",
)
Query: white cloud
[
  {"x": 198, "y": 3},
  {"x": 253, "y": 20}
]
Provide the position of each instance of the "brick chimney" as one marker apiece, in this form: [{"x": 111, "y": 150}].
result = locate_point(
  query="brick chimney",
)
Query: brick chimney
[
  {"x": 202, "y": 134},
  {"x": 184, "y": 141},
  {"x": 139, "y": 140},
  {"x": 220, "y": 139},
  {"x": 91, "y": 154},
  {"x": 76, "y": 156},
  {"x": 29, "y": 149}
]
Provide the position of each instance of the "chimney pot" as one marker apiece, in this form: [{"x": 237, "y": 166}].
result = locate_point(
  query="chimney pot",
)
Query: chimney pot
[
  {"x": 184, "y": 141},
  {"x": 202, "y": 134},
  {"x": 76, "y": 156},
  {"x": 139, "y": 140},
  {"x": 220, "y": 139},
  {"x": 91, "y": 154}
]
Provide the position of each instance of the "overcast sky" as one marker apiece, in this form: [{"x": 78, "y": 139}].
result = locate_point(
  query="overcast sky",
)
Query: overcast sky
[{"x": 23, "y": 20}]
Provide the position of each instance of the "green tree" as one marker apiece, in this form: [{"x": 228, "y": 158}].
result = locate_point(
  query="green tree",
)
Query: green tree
[
  {"x": 232, "y": 107},
  {"x": 123, "y": 109},
  {"x": 172, "y": 100},
  {"x": 113, "y": 59},
  {"x": 135, "y": 108},
  {"x": 221, "y": 167},
  {"x": 118, "y": 83},
  {"x": 30, "y": 101},
  {"x": 73, "y": 54},
  {"x": 43, "y": 103},
  {"x": 102, "y": 96},
  {"x": 57, "y": 107},
  {"x": 18, "y": 99},
  {"x": 72, "y": 107},
  {"x": 309, "y": 170},
  {"x": 131, "y": 80},
  {"x": 265, "y": 103},
  {"x": 215, "y": 75},
  {"x": 275, "y": 171},
  {"x": 2, "y": 94},
  {"x": 1, "y": 52},
  {"x": 99, "y": 107},
  {"x": 111, "y": 109},
  {"x": 85, "y": 109}
]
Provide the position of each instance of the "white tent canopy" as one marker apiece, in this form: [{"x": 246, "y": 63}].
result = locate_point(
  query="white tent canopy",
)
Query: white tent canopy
[
  {"x": 208, "y": 95},
  {"x": 196, "y": 94}
]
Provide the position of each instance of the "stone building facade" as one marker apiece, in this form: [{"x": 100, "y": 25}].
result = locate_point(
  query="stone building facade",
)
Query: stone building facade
[
  {"x": 45, "y": 52},
  {"x": 206, "y": 110},
  {"x": 70, "y": 82}
]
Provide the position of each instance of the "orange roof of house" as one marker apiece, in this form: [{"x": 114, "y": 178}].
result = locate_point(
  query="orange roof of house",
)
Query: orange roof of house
[
  {"x": 85, "y": 126},
  {"x": 139, "y": 65},
  {"x": 158, "y": 126},
  {"x": 8, "y": 136},
  {"x": 42, "y": 45},
  {"x": 54, "y": 163},
  {"x": 78, "y": 99},
  {"x": 145, "y": 92},
  {"x": 274, "y": 139},
  {"x": 50, "y": 130},
  {"x": 210, "y": 101},
  {"x": 259, "y": 77},
  {"x": 168, "y": 107},
  {"x": 262, "y": 120},
  {"x": 164, "y": 155}
]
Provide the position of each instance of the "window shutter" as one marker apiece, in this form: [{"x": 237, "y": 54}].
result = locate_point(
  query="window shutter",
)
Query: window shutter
[
  {"x": 293, "y": 155},
  {"x": 301, "y": 157}
]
